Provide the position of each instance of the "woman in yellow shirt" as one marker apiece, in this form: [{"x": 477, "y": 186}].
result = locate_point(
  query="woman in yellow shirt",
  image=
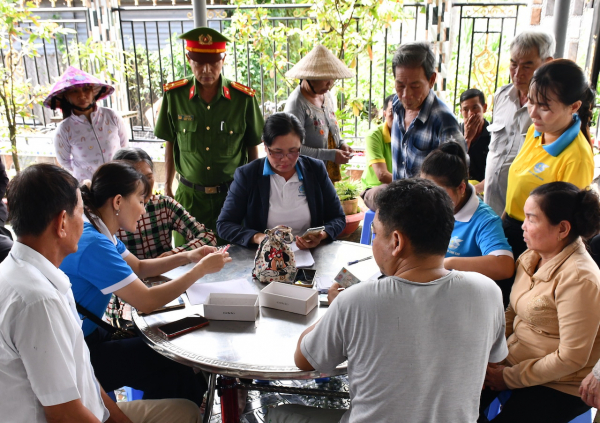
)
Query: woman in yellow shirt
[{"x": 557, "y": 146}]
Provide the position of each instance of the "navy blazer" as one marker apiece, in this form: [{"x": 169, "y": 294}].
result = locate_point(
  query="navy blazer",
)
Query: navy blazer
[{"x": 246, "y": 207}]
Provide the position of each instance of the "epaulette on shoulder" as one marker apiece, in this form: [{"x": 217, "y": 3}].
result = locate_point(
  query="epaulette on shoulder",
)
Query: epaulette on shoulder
[
  {"x": 246, "y": 90},
  {"x": 175, "y": 84}
]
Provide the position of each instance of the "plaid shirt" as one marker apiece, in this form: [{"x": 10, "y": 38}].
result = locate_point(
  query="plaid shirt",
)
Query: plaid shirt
[
  {"x": 154, "y": 233},
  {"x": 434, "y": 125}
]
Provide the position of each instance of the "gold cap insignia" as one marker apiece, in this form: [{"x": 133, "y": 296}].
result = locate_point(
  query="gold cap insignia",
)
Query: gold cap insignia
[{"x": 205, "y": 39}]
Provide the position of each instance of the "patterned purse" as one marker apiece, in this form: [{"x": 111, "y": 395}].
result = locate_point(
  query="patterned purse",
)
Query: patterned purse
[{"x": 274, "y": 260}]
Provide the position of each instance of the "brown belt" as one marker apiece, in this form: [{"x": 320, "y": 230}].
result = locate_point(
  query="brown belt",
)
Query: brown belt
[{"x": 207, "y": 190}]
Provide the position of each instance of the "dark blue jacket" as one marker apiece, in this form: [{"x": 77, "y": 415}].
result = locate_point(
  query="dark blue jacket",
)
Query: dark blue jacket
[{"x": 246, "y": 208}]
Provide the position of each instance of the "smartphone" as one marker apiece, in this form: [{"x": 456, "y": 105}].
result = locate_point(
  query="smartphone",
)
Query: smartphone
[
  {"x": 179, "y": 327},
  {"x": 313, "y": 231}
]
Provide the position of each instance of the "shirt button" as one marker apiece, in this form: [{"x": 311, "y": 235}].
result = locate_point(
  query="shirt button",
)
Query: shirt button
[
  {"x": 208, "y": 128},
  {"x": 184, "y": 130},
  {"x": 230, "y": 132},
  {"x": 207, "y": 148},
  {"x": 208, "y": 168},
  {"x": 208, "y": 107}
]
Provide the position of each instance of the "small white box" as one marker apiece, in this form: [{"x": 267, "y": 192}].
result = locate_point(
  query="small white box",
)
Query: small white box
[
  {"x": 294, "y": 299},
  {"x": 242, "y": 307}
]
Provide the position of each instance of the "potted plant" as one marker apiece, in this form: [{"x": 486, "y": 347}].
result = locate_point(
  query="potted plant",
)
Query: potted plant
[{"x": 348, "y": 192}]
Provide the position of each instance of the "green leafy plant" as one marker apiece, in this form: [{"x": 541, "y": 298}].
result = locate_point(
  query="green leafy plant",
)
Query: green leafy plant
[
  {"x": 347, "y": 189},
  {"x": 20, "y": 35}
]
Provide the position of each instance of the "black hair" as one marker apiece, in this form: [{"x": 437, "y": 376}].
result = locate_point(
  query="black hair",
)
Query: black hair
[
  {"x": 448, "y": 163},
  {"x": 472, "y": 93},
  {"x": 111, "y": 179},
  {"x": 415, "y": 54},
  {"x": 134, "y": 155},
  {"x": 387, "y": 101},
  {"x": 37, "y": 195},
  {"x": 279, "y": 124},
  {"x": 568, "y": 83},
  {"x": 564, "y": 201},
  {"x": 421, "y": 211}
]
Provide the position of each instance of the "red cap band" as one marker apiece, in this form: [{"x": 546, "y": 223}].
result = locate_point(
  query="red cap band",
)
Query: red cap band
[{"x": 196, "y": 47}]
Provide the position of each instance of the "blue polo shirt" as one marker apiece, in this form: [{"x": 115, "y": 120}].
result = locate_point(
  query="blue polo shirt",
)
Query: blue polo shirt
[
  {"x": 96, "y": 270},
  {"x": 477, "y": 231}
]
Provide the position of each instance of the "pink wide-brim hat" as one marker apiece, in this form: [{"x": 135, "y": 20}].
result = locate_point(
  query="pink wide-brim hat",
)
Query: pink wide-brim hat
[{"x": 72, "y": 78}]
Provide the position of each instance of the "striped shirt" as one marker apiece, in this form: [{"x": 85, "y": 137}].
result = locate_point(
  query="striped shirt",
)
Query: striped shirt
[{"x": 434, "y": 125}]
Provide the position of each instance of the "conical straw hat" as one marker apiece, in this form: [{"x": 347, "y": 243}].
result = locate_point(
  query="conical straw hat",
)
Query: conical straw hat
[
  {"x": 319, "y": 64},
  {"x": 72, "y": 78}
]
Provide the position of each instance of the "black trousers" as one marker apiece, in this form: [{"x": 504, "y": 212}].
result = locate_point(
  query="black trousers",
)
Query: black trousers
[
  {"x": 537, "y": 404},
  {"x": 130, "y": 362}
]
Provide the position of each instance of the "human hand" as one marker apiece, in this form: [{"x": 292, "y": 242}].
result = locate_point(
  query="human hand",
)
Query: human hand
[
  {"x": 197, "y": 254},
  {"x": 213, "y": 262},
  {"x": 258, "y": 237},
  {"x": 473, "y": 126},
  {"x": 334, "y": 291},
  {"x": 342, "y": 157},
  {"x": 345, "y": 147},
  {"x": 590, "y": 390},
  {"x": 166, "y": 254},
  {"x": 479, "y": 187},
  {"x": 169, "y": 190},
  {"x": 310, "y": 240},
  {"x": 494, "y": 377}
]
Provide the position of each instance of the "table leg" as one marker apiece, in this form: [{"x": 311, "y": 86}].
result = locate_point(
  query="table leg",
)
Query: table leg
[
  {"x": 230, "y": 410},
  {"x": 210, "y": 397}
]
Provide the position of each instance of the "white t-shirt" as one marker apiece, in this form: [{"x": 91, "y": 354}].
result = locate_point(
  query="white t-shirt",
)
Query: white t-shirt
[
  {"x": 287, "y": 204},
  {"x": 44, "y": 359},
  {"x": 417, "y": 352}
]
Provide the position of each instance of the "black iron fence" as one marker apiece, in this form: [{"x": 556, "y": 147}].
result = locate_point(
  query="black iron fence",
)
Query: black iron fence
[{"x": 472, "y": 48}]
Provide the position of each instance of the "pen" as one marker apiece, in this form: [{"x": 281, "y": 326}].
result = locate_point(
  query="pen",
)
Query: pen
[
  {"x": 350, "y": 263},
  {"x": 224, "y": 249}
]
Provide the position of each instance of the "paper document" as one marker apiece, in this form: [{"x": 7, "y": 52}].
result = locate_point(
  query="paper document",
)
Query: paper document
[
  {"x": 303, "y": 257},
  {"x": 198, "y": 292}
]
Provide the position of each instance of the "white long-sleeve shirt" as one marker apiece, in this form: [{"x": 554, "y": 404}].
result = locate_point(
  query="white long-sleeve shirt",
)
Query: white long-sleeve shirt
[{"x": 82, "y": 147}]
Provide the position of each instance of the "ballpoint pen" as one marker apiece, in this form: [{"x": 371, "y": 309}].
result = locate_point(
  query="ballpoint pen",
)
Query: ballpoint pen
[{"x": 350, "y": 263}]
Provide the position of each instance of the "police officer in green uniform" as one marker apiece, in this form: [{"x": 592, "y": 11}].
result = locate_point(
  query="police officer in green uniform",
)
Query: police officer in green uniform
[{"x": 211, "y": 127}]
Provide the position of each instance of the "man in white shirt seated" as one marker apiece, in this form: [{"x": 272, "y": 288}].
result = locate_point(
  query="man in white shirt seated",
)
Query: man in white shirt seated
[
  {"x": 45, "y": 369},
  {"x": 419, "y": 339}
]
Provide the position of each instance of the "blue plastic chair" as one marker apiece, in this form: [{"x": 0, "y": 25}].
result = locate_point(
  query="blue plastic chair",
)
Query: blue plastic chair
[
  {"x": 496, "y": 405},
  {"x": 366, "y": 236}
]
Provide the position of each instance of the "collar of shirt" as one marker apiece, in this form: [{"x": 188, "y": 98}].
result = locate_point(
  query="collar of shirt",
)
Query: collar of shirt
[
  {"x": 564, "y": 140},
  {"x": 219, "y": 90},
  {"x": 424, "y": 112},
  {"x": 466, "y": 213},
  {"x": 530, "y": 259},
  {"x": 387, "y": 137},
  {"x": 101, "y": 227},
  {"x": 267, "y": 170},
  {"x": 83, "y": 118},
  {"x": 513, "y": 95},
  {"x": 27, "y": 254}
]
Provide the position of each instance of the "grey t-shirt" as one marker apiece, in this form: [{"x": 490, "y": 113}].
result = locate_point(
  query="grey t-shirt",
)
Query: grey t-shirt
[{"x": 417, "y": 352}]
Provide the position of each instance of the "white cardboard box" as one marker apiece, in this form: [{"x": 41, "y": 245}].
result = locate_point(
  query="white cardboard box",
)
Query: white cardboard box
[
  {"x": 294, "y": 299},
  {"x": 242, "y": 307}
]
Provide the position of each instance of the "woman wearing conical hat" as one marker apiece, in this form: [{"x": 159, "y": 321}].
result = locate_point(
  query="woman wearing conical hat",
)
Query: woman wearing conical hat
[
  {"x": 89, "y": 135},
  {"x": 312, "y": 103}
]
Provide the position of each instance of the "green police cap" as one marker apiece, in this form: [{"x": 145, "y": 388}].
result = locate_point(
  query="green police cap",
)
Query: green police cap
[{"x": 205, "y": 45}]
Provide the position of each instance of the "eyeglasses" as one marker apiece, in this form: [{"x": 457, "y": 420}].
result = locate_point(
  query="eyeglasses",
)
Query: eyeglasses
[{"x": 292, "y": 155}]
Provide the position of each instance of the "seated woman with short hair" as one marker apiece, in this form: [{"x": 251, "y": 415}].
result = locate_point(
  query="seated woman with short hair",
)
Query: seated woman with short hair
[
  {"x": 478, "y": 243},
  {"x": 282, "y": 189},
  {"x": 553, "y": 317}
]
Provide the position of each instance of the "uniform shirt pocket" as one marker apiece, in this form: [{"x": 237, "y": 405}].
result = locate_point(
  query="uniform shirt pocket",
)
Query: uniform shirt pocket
[
  {"x": 230, "y": 140},
  {"x": 497, "y": 132},
  {"x": 186, "y": 131}
]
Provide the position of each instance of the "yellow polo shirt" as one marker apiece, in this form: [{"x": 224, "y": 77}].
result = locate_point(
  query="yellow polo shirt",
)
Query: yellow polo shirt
[{"x": 568, "y": 159}]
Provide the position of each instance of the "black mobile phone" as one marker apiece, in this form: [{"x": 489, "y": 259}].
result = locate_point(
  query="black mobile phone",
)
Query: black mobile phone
[
  {"x": 305, "y": 277},
  {"x": 179, "y": 327}
]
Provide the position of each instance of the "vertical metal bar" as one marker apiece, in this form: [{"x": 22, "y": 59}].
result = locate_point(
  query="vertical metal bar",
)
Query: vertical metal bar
[
  {"x": 516, "y": 22},
  {"x": 248, "y": 62},
  {"x": 162, "y": 80},
  {"x": 235, "y": 64},
  {"x": 275, "y": 79},
  {"x": 499, "y": 54},
  {"x": 385, "y": 41},
  {"x": 356, "y": 87},
  {"x": 371, "y": 89},
  {"x": 67, "y": 47},
  {"x": 171, "y": 48},
  {"x": 149, "y": 76},
  {"x": 183, "y": 51},
  {"x": 137, "y": 77},
  {"x": 417, "y": 20},
  {"x": 287, "y": 42},
  {"x": 77, "y": 41},
  {"x": 126, "y": 76},
  {"x": 460, "y": 19},
  {"x": 471, "y": 56},
  {"x": 57, "y": 61},
  {"x": 262, "y": 89}
]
